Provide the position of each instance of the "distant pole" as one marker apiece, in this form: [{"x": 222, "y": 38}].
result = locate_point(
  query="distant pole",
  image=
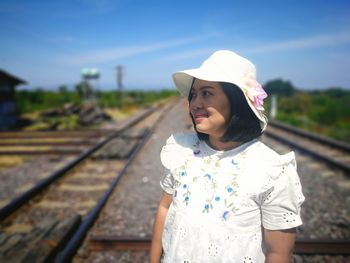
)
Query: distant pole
[
  {"x": 273, "y": 110},
  {"x": 120, "y": 74}
]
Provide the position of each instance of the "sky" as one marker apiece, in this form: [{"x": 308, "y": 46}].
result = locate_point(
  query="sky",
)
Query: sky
[{"x": 48, "y": 43}]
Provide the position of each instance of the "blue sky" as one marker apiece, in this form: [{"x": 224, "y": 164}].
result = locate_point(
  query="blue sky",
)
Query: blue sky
[{"x": 47, "y": 43}]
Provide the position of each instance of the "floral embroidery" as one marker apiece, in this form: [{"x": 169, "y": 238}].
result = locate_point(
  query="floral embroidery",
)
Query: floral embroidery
[
  {"x": 204, "y": 212},
  {"x": 226, "y": 215},
  {"x": 196, "y": 152},
  {"x": 208, "y": 177},
  {"x": 186, "y": 195},
  {"x": 206, "y": 208},
  {"x": 229, "y": 189},
  {"x": 187, "y": 198}
]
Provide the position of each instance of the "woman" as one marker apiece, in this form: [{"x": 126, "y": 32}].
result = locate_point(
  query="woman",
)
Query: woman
[{"x": 227, "y": 196}]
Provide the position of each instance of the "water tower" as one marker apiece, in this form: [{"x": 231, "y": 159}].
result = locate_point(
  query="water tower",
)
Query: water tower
[{"x": 90, "y": 80}]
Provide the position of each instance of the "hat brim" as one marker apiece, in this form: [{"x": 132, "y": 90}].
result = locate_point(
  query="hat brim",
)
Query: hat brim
[{"x": 183, "y": 81}]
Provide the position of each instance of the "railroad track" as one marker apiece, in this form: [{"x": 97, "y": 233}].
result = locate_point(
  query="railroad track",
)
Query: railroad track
[
  {"x": 74, "y": 198},
  {"x": 79, "y": 226},
  {"x": 332, "y": 152},
  {"x": 50, "y": 142},
  {"x": 336, "y": 156},
  {"x": 138, "y": 247},
  {"x": 302, "y": 246},
  {"x": 39, "y": 182}
]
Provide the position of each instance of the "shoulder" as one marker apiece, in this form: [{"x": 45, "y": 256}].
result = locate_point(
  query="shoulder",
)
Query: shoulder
[
  {"x": 178, "y": 148},
  {"x": 182, "y": 139},
  {"x": 269, "y": 157},
  {"x": 280, "y": 171},
  {"x": 267, "y": 166}
]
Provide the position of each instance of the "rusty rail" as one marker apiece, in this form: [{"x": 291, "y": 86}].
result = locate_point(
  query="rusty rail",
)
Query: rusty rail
[
  {"x": 67, "y": 254},
  {"x": 302, "y": 245},
  {"x": 316, "y": 139},
  {"x": 41, "y": 185}
]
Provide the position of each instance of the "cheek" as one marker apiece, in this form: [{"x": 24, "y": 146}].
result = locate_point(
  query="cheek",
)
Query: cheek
[
  {"x": 225, "y": 109},
  {"x": 227, "y": 113},
  {"x": 220, "y": 115},
  {"x": 221, "y": 108}
]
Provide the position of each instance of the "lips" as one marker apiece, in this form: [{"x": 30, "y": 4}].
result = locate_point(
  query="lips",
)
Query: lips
[{"x": 199, "y": 117}]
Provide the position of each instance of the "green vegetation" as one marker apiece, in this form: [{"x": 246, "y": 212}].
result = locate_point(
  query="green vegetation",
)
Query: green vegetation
[
  {"x": 133, "y": 98},
  {"x": 70, "y": 110},
  {"x": 325, "y": 112},
  {"x": 40, "y": 99}
]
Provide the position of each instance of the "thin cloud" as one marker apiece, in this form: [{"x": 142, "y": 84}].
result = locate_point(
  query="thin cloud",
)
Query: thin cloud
[
  {"x": 62, "y": 39},
  {"x": 59, "y": 43},
  {"x": 188, "y": 54},
  {"x": 303, "y": 43},
  {"x": 111, "y": 54},
  {"x": 101, "y": 6}
]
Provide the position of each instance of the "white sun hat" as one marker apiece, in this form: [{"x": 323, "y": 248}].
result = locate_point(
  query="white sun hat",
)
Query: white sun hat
[{"x": 227, "y": 66}]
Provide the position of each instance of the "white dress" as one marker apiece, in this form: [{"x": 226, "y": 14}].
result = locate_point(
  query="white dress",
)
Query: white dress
[{"x": 222, "y": 199}]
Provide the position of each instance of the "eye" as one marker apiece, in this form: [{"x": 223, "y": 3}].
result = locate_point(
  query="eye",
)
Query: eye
[
  {"x": 206, "y": 93},
  {"x": 193, "y": 95}
]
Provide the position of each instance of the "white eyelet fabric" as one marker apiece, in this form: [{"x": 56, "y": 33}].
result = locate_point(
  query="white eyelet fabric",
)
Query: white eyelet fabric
[{"x": 222, "y": 199}]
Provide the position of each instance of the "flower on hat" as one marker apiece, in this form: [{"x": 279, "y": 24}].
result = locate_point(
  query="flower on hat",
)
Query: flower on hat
[{"x": 254, "y": 91}]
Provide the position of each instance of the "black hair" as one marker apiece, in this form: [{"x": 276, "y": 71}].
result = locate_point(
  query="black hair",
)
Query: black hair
[{"x": 244, "y": 125}]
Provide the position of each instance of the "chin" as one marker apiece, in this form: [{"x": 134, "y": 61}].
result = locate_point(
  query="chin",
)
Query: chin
[{"x": 202, "y": 130}]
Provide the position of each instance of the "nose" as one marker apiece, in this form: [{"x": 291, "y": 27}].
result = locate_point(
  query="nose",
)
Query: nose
[{"x": 196, "y": 103}]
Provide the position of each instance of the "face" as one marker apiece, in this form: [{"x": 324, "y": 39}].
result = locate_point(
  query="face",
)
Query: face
[{"x": 209, "y": 108}]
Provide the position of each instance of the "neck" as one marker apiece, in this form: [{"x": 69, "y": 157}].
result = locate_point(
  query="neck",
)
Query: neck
[{"x": 218, "y": 145}]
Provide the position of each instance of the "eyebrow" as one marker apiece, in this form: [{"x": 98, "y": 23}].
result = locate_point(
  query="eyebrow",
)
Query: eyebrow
[{"x": 204, "y": 87}]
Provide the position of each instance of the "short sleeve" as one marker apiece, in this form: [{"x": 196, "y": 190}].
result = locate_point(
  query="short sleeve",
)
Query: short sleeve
[
  {"x": 282, "y": 196},
  {"x": 167, "y": 182},
  {"x": 173, "y": 155}
]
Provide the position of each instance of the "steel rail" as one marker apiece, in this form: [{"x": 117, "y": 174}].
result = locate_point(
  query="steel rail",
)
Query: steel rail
[
  {"x": 54, "y": 134},
  {"x": 65, "y": 143},
  {"x": 343, "y": 166},
  {"x": 320, "y": 156},
  {"x": 322, "y": 246},
  {"x": 29, "y": 194},
  {"x": 73, "y": 245},
  {"x": 102, "y": 243},
  {"x": 41, "y": 152},
  {"x": 324, "y": 140},
  {"x": 302, "y": 245}
]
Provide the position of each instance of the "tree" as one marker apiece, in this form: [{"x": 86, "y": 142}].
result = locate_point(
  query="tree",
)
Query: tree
[
  {"x": 279, "y": 87},
  {"x": 63, "y": 89},
  {"x": 84, "y": 90}
]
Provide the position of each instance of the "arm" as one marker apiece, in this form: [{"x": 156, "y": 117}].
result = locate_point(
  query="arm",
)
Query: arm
[
  {"x": 156, "y": 247},
  {"x": 279, "y": 245}
]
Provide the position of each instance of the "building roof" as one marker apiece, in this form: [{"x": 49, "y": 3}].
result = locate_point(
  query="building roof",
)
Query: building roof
[{"x": 7, "y": 76}]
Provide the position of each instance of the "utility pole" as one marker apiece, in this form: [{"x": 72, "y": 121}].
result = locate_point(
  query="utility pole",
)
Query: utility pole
[
  {"x": 120, "y": 73},
  {"x": 273, "y": 108}
]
